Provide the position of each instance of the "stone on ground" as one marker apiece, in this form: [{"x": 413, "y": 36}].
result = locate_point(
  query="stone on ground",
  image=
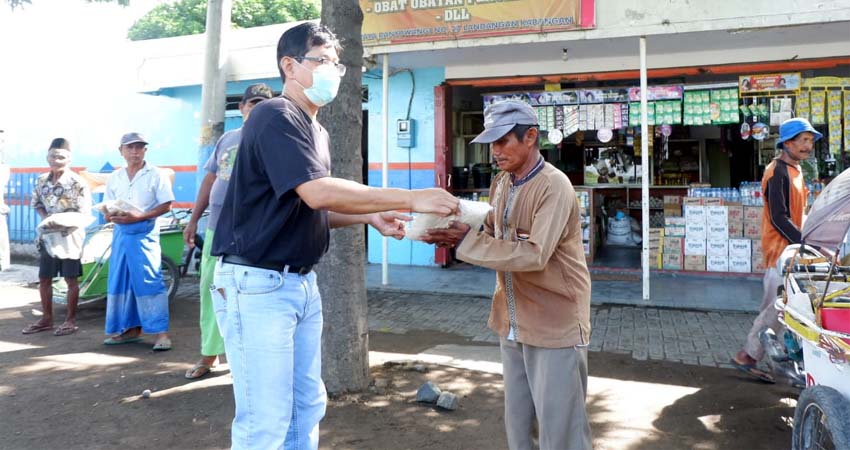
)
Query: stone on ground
[{"x": 428, "y": 393}]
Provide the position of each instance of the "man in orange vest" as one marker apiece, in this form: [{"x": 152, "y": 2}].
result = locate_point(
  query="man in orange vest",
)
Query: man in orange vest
[{"x": 782, "y": 219}]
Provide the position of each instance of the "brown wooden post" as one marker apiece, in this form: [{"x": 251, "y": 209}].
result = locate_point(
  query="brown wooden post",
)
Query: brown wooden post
[{"x": 443, "y": 151}]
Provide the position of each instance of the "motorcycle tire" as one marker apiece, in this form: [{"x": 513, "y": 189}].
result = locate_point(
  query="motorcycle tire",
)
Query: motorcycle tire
[{"x": 820, "y": 420}]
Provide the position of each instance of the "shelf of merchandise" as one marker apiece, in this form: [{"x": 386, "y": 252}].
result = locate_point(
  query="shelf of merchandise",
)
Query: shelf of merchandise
[{"x": 588, "y": 222}]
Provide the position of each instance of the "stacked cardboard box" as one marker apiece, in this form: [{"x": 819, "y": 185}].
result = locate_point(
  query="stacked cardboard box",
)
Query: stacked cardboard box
[
  {"x": 709, "y": 236},
  {"x": 673, "y": 257},
  {"x": 752, "y": 222},
  {"x": 758, "y": 256},
  {"x": 736, "y": 221},
  {"x": 674, "y": 227},
  {"x": 740, "y": 255},
  {"x": 672, "y": 206},
  {"x": 718, "y": 256},
  {"x": 717, "y": 222},
  {"x": 695, "y": 254},
  {"x": 696, "y": 233},
  {"x": 656, "y": 247}
]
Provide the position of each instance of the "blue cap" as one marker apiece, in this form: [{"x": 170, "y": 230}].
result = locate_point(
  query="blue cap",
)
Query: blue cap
[{"x": 792, "y": 127}]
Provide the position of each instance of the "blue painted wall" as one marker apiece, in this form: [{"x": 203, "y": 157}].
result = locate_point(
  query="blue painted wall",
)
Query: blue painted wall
[{"x": 422, "y": 110}]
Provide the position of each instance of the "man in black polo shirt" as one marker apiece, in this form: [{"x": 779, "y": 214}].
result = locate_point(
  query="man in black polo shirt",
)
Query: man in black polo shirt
[{"x": 274, "y": 226}]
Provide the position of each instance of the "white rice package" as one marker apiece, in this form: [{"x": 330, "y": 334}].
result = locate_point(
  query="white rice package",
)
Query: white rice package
[
  {"x": 116, "y": 206},
  {"x": 472, "y": 213}
]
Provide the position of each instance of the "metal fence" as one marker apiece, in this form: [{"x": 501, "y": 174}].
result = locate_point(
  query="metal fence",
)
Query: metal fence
[{"x": 22, "y": 218}]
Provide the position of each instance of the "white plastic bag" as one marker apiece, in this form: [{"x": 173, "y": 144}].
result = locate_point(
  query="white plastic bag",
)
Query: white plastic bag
[
  {"x": 472, "y": 213},
  {"x": 116, "y": 206}
]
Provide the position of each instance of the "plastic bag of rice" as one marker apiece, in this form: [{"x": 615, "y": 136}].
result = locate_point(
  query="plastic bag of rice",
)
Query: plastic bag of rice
[{"x": 472, "y": 213}]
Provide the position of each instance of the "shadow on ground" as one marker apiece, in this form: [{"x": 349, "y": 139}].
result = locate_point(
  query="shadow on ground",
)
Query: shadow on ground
[{"x": 74, "y": 393}]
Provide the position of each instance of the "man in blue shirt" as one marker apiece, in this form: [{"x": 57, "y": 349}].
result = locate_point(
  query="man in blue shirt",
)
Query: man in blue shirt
[{"x": 274, "y": 227}]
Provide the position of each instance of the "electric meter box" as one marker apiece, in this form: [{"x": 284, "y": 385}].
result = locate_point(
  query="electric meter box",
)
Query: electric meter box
[{"x": 406, "y": 133}]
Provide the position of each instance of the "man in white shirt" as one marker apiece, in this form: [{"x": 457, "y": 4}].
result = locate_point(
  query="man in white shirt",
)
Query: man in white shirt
[{"x": 137, "y": 298}]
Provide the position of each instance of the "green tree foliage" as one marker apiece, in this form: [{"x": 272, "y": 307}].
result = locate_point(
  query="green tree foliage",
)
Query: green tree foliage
[{"x": 185, "y": 17}]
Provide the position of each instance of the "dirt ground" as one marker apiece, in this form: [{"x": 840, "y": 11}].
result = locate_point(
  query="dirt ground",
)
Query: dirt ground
[{"x": 74, "y": 393}]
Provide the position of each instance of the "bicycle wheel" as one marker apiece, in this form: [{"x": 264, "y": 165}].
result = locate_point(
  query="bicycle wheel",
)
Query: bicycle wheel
[
  {"x": 819, "y": 420},
  {"x": 171, "y": 277}
]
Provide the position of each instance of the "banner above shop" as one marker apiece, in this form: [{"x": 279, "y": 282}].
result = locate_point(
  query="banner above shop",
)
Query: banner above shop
[
  {"x": 408, "y": 21},
  {"x": 657, "y": 93},
  {"x": 587, "y": 96},
  {"x": 755, "y": 84}
]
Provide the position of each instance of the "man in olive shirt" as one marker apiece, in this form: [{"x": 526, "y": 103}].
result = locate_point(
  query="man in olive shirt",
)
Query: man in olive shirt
[{"x": 541, "y": 305}]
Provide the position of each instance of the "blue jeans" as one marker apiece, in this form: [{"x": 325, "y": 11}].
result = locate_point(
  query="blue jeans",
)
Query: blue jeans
[{"x": 271, "y": 323}]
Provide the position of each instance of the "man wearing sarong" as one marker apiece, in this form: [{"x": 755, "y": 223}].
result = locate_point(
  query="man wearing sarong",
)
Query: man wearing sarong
[{"x": 137, "y": 299}]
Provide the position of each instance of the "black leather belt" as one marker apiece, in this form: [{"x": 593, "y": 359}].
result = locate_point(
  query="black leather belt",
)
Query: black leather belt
[{"x": 240, "y": 261}]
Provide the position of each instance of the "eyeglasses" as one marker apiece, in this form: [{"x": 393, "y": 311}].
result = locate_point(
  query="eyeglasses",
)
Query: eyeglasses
[
  {"x": 255, "y": 101},
  {"x": 339, "y": 67}
]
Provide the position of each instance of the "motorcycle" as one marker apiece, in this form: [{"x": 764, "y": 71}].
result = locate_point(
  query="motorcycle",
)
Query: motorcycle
[{"x": 815, "y": 308}]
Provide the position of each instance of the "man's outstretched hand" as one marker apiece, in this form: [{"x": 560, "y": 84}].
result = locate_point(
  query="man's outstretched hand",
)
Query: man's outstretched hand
[
  {"x": 390, "y": 223},
  {"x": 435, "y": 201}
]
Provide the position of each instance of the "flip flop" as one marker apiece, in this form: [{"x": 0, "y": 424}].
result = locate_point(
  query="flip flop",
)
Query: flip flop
[
  {"x": 118, "y": 340},
  {"x": 36, "y": 328},
  {"x": 163, "y": 345},
  {"x": 753, "y": 371},
  {"x": 202, "y": 370},
  {"x": 65, "y": 330}
]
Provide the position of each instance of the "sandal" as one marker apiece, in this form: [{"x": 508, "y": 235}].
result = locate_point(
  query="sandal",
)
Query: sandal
[
  {"x": 65, "y": 330},
  {"x": 121, "y": 339},
  {"x": 197, "y": 371},
  {"x": 163, "y": 345},
  {"x": 753, "y": 371},
  {"x": 36, "y": 328}
]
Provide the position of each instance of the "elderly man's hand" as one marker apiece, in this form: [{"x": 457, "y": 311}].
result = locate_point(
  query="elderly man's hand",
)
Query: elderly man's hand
[
  {"x": 447, "y": 237},
  {"x": 390, "y": 223}
]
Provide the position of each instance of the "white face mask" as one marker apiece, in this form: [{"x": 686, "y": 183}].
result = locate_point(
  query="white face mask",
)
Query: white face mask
[
  {"x": 59, "y": 158},
  {"x": 325, "y": 86}
]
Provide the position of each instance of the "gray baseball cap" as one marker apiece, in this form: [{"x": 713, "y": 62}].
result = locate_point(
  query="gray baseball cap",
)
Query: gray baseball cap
[
  {"x": 259, "y": 90},
  {"x": 132, "y": 138},
  {"x": 501, "y": 118}
]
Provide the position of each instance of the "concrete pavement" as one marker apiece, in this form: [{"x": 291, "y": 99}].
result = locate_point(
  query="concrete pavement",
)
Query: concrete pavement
[
  {"x": 646, "y": 333},
  {"x": 703, "y": 292}
]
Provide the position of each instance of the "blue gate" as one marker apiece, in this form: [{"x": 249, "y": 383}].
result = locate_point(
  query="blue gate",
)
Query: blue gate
[{"x": 22, "y": 218}]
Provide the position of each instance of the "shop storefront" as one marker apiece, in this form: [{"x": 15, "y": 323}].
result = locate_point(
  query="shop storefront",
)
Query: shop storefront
[
  {"x": 720, "y": 81},
  {"x": 709, "y": 141}
]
